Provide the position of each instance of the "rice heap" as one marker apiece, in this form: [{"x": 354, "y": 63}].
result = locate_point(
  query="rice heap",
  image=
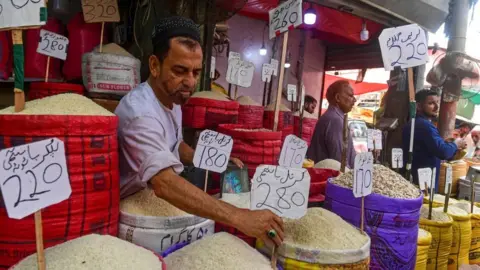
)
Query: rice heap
[
  {"x": 210, "y": 95},
  {"x": 247, "y": 101},
  {"x": 146, "y": 203},
  {"x": 283, "y": 108}
]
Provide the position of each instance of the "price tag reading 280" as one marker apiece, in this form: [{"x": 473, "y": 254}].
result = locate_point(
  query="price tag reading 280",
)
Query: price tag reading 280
[
  {"x": 293, "y": 152},
  {"x": 363, "y": 175},
  {"x": 52, "y": 44},
  {"x": 33, "y": 176},
  {"x": 213, "y": 151}
]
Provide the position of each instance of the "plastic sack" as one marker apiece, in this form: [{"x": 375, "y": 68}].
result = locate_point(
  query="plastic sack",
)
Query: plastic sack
[
  {"x": 37, "y": 63},
  {"x": 423, "y": 245},
  {"x": 6, "y": 55},
  {"x": 461, "y": 240},
  {"x": 442, "y": 233}
]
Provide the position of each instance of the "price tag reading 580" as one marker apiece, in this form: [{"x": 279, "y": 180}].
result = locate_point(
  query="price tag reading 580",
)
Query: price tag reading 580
[
  {"x": 363, "y": 175},
  {"x": 213, "y": 151}
]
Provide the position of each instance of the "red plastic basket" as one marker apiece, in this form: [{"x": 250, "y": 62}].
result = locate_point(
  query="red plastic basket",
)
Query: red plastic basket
[
  {"x": 207, "y": 113},
  {"x": 42, "y": 89}
]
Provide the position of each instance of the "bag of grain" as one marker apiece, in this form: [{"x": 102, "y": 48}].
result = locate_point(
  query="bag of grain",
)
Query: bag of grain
[
  {"x": 249, "y": 112},
  {"x": 219, "y": 251},
  {"x": 461, "y": 237},
  {"x": 459, "y": 169},
  {"x": 423, "y": 245},
  {"x": 285, "y": 120},
  {"x": 474, "y": 253},
  {"x": 308, "y": 125},
  {"x": 321, "y": 240},
  {"x": 439, "y": 200},
  {"x": 440, "y": 227},
  {"x": 153, "y": 223},
  {"x": 95, "y": 252},
  {"x": 391, "y": 216},
  {"x": 89, "y": 133},
  {"x": 208, "y": 109},
  {"x": 331, "y": 164}
]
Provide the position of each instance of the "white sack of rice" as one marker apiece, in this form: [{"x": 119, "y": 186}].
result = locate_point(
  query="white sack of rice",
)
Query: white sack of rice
[
  {"x": 240, "y": 200},
  {"x": 466, "y": 206},
  {"x": 247, "y": 101},
  {"x": 437, "y": 214},
  {"x": 219, "y": 251},
  {"x": 210, "y": 95},
  {"x": 62, "y": 104},
  {"x": 385, "y": 182},
  {"x": 321, "y": 229},
  {"x": 146, "y": 203},
  {"x": 306, "y": 115},
  {"x": 271, "y": 108},
  {"x": 94, "y": 251},
  {"x": 331, "y": 164}
]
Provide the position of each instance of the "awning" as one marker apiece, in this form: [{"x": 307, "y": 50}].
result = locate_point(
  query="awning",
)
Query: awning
[{"x": 359, "y": 88}]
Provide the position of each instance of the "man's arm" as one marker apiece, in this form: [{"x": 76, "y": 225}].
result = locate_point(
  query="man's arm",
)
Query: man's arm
[
  {"x": 186, "y": 153},
  {"x": 435, "y": 143}
]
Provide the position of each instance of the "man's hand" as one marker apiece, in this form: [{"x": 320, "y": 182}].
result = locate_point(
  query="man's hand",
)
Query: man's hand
[
  {"x": 258, "y": 223},
  {"x": 461, "y": 144},
  {"x": 237, "y": 162}
]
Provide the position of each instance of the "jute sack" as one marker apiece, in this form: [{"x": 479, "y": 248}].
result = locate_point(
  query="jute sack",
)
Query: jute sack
[{"x": 442, "y": 233}]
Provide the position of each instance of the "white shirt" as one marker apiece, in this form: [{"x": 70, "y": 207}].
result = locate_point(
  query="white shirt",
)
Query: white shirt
[{"x": 149, "y": 135}]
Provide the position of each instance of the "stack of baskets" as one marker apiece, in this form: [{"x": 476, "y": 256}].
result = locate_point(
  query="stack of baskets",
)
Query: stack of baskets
[
  {"x": 42, "y": 89},
  {"x": 308, "y": 125},
  {"x": 285, "y": 119},
  {"x": 249, "y": 112},
  {"x": 318, "y": 184}
]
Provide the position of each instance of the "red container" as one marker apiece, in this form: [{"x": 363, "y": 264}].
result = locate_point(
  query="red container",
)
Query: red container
[
  {"x": 285, "y": 120},
  {"x": 41, "y": 89},
  {"x": 308, "y": 127},
  {"x": 6, "y": 55},
  {"x": 250, "y": 115},
  {"x": 205, "y": 113}
]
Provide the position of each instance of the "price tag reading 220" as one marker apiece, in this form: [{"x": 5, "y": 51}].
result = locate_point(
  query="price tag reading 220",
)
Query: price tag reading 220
[
  {"x": 363, "y": 175},
  {"x": 213, "y": 151}
]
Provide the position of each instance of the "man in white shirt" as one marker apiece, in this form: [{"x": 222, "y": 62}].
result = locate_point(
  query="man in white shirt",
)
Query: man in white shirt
[{"x": 150, "y": 133}]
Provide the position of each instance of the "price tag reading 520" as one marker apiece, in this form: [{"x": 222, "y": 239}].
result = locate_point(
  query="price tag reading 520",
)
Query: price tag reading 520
[
  {"x": 363, "y": 175},
  {"x": 213, "y": 151}
]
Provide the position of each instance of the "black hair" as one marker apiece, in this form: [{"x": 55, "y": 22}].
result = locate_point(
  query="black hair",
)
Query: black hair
[
  {"x": 309, "y": 99},
  {"x": 422, "y": 95},
  {"x": 162, "y": 47},
  {"x": 465, "y": 124}
]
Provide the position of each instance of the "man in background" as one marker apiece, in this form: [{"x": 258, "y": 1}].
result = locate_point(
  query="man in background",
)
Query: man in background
[
  {"x": 310, "y": 104},
  {"x": 327, "y": 140},
  {"x": 464, "y": 129},
  {"x": 429, "y": 148}
]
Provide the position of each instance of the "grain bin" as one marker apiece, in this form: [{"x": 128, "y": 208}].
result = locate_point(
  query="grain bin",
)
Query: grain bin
[
  {"x": 423, "y": 245},
  {"x": 474, "y": 253},
  {"x": 393, "y": 206},
  {"x": 42, "y": 89},
  {"x": 285, "y": 119},
  {"x": 459, "y": 169},
  {"x": 153, "y": 223},
  {"x": 90, "y": 136},
  {"x": 250, "y": 112},
  {"x": 461, "y": 237},
  {"x": 308, "y": 125},
  {"x": 209, "y": 109}
]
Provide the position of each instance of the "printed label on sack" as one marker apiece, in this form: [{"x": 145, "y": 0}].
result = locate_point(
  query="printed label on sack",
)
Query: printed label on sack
[
  {"x": 33, "y": 176},
  {"x": 100, "y": 11},
  {"x": 284, "y": 191},
  {"x": 425, "y": 178},
  {"x": 213, "y": 151},
  {"x": 362, "y": 175},
  {"x": 52, "y": 44},
  {"x": 293, "y": 152},
  {"x": 15, "y": 13},
  {"x": 284, "y": 17},
  {"x": 397, "y": 158}
]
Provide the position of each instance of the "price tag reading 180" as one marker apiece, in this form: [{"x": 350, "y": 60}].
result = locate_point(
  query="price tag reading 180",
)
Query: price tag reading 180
[
  {"x": 293, "y": 152},
  {"x": 33, "y": 176},
  {"x": 213, "y": 151},
  {"x": 363, "y": 175},
  {"x": 52, "y": 44}
]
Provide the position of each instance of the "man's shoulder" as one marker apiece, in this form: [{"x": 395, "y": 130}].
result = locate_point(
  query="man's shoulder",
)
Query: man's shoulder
[{"x": 136, "y": 103}]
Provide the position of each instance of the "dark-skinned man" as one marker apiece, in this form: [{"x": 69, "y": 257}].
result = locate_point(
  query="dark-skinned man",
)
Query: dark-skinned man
[{"x": 150, "y": 133}]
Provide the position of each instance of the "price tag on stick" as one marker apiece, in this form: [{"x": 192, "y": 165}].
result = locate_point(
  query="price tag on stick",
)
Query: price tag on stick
[
  {"x": 274, "y": 63},
  {"x": 234, "y": 55},
  {"x": 377, "y": 137},
  {"x": 33, "y": 176},
  {"x": 362, "y": 176},
  {"x": 397, "y": 158},
  {"x": 284, "y": 191},
  {"x": 424, "y": 178},
  {"x": 267, "y": 72},
  {"x": 240, "y": 72},
  {"x": 52, "y": 44},
  {"x": 95, "y": 11},
  {"x": 212, "y": 68},
  {"x": 370, "y": 144},
  {"x": 293, "y": 152},
  {"x": 292, "y": 92},
  {"x": 284, "y": 17},
  {"x": 213, "y": 151}
]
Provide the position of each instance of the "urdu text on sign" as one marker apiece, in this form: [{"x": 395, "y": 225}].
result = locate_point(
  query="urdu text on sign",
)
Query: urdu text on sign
[
  {"x": 286, "y": 16},
  {"x": 363, "y": 175},
  {"x": 293, "y": 152},
  {"x": 52, "y": 44},
  {"x": 213, "y": 151}
]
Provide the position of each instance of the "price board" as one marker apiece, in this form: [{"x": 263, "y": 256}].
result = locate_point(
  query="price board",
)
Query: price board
[
  {"x": 267, "y": 72},
  {"x": 293, "y": 152},
  {"x": 405, "y": 46},
  {"x": 425, "y": 178},
  {"x": 240, "y": 72},
  {"x": 363, "y": 175},
  {"x": 274, "y": 63},
  {"x": 100, "y": 11},
  {"x": 234, "y": 55},
  {"x": 212, "y": 68},
  {"x": 370, "y": 143},
  {"x": 448, "y": 177},
  {"x": 285, "y": 17},
  {"x": 213, "y": 151},
  {"x": 292, "y": 92},
  {"x": 52, "y": 44},
  {"x": 377, "y": 137},
  {"x": 284, "y": 191},
  {"x": 397, "y": 158},
  {"x": 22, "y": 13},
  {"x": 33, "y": 176}
]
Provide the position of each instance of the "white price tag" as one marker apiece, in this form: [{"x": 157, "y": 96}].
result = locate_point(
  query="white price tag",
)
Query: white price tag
[
  {"x": 52, "y": 44},
  {"x": 293, "y": 152},
  {"x": 448, "y": 177},
  {"x": 33, "y": 176},
  {"x": 363, "y": 175},
  {"x": 397, "y": 158},
  {"x": 212, "y": 68},
  {"x": 267, "y": 72},
  {"x": 284, "y": 17},
  {"x": 377, "y": 137},
  {"x": 370, "y": 144},
  {"x": 274, "y": 63},
  {"x": 23, "y": 13},
  {"x": 240, "y": 72},
  {"x": 233, "y": 55},
  {"x": 424, "y": 178},
  {"x": 213, "y": 151},
  {"x": 284, "y": 191},
  {"x": 292, "y": 92},
  {"x": 405, "y": 46}
]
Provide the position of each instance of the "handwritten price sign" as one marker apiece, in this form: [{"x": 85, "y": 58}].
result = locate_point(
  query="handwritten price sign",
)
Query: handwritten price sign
[
  {"x": 286, "y": 16},
  {"x": 213, "y": 151},
  {"x": 240, "y": 72},
  {"x": 370, "y": 144},
  {"x": 282, "y": 190},
  {"x": 52, "y": 44},
  {"x": 363, "y": 175},
  {"x": 100, "y": 11},
  {"x": 397, "y": 158},
  {"x": 274, "y": 63},
  {"x": 293, "y": 152},
  {"x": 405, "y": 46},
  {"x": 33, "y": 176},
  {"x": 377, "y": 137},
  {"x": 291, "y": 92},
  {"x": 22, "y": 13},
  {"x": 425, "y": 178},
  {"x": 267, "y": 72}
]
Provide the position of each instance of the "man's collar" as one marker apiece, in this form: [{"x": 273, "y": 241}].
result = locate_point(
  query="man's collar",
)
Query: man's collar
[{"x": 337, "y": 110}]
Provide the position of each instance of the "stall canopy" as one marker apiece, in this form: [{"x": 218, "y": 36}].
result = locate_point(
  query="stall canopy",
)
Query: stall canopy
[
  {"x": 332, "y": 25},
  {"x": 359, "y": 88}
]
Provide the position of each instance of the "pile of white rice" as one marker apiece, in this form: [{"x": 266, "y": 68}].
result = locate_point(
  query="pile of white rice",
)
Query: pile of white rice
[
  {"x": 331, "y": 164},
  {"x": 240, "y": 200},
  {"x": 210, "y": 95},
  {"x": 146, "y": 203},
  {"x": 247, "y": 101},
  {"x": 271, "y": 107}
]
